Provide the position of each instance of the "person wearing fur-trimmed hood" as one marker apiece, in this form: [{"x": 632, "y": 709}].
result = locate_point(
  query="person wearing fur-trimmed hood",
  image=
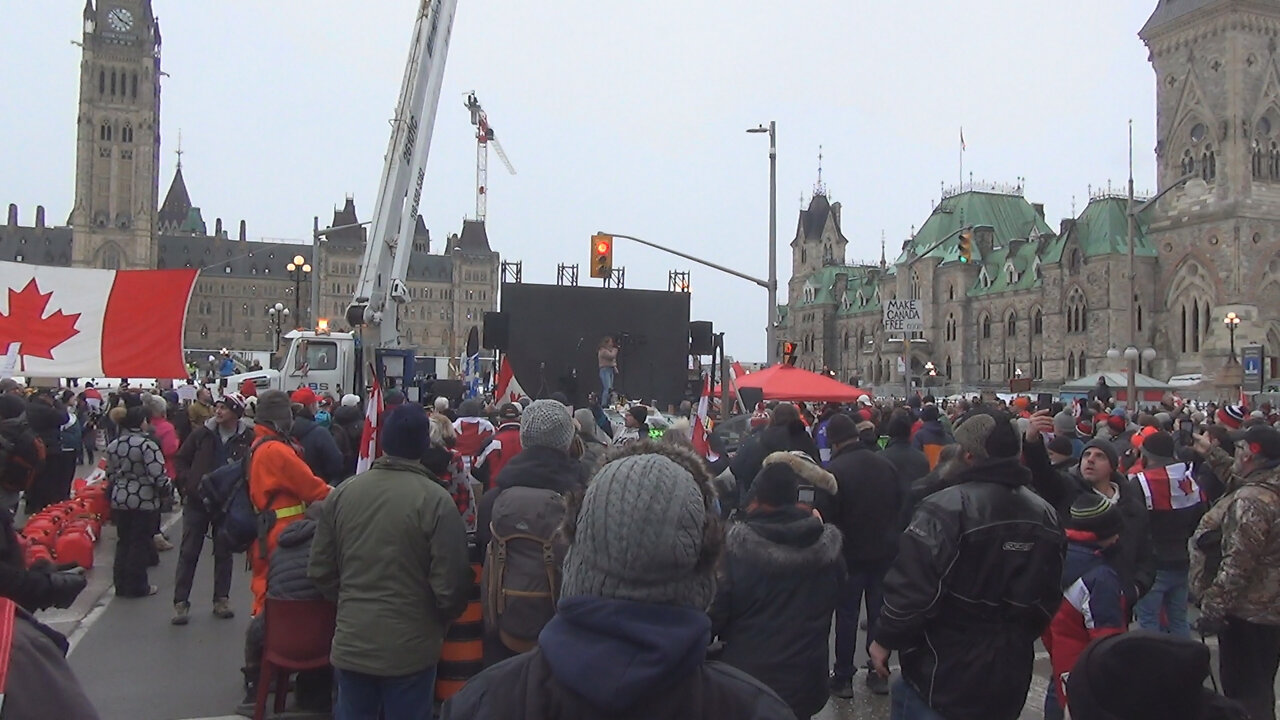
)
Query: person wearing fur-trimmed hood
[
  {"x": 778, "y": 585},
  {"x": 817, "y": 487}
]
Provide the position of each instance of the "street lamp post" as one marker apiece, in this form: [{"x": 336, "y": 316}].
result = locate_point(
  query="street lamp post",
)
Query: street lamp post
[
  {"x": 1232, "y": 321},
  {"x": 298, "y": 268},
  {"x": 771, "y": 331},
  {"x": 276, "y": 316}
]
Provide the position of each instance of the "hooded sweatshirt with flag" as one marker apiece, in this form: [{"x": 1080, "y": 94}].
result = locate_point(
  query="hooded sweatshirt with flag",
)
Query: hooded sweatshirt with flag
[{"x": 1175, "y": 504}]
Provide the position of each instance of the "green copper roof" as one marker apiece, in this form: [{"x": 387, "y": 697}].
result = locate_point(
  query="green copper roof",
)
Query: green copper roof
[
  {"x": 863, "y": 291},
  {"x": 1011, "y": 216},
  {"x": 194, "y": 223},
  {"x": 1102, "y": 229}
]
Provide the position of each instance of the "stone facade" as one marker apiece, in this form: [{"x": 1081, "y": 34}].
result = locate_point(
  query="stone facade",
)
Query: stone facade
[
  {"x": 117, "y": 222},
  {"x": 1046, "y": 304}
]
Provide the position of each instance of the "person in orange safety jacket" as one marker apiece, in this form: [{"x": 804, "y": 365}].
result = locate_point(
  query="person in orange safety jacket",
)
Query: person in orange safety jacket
[{"x": 279, "y": 480}]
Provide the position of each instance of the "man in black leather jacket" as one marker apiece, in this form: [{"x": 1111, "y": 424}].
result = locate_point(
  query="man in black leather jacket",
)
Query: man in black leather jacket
[{"x": 975, "y": 583}]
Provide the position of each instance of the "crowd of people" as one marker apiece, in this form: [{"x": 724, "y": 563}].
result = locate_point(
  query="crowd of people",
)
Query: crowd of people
[{"x": 631, "y": 571}]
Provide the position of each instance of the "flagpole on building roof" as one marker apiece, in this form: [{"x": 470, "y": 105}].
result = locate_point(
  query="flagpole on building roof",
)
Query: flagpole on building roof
[{"x": 960, "y": 186}]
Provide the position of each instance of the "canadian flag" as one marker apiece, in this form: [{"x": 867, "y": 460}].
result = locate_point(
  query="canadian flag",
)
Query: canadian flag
[
  {"x": 370, "y": 447},
  {"x": 699, "y": 439},
  {"x": 1170, "y": 488},
  {"x": 75, "y": 322},
  {"x": 507, "y": 389}
]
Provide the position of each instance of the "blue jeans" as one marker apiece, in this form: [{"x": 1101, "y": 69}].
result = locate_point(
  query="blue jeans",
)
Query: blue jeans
[
  {"x": 1168, "y": 594},
  {"x": 906, "y": 704},
  {"x": 408, "y": 697},
  {"x": 863, "y": 581},
  {"x": 606, "y": 384}
]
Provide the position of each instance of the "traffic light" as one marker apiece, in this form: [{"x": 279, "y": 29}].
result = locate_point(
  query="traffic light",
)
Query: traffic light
[
  {"x": 601, "y": 256},
  {"x": 789, "y": 353},
  {"x": 965, "y": 247}
]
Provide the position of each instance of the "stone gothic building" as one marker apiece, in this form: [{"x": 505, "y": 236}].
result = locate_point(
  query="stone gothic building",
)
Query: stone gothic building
[
  {"x": 117, "y": 221},
  {"x": 1047, "y": 303}
]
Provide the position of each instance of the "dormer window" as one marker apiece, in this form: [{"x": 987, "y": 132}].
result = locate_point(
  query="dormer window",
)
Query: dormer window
[
  {"x": 1011, "y": 273},
  {"x": 984, "y": 278}
]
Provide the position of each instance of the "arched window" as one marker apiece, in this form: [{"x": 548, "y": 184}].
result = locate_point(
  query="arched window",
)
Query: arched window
[
  {"x": 1011, "y": 325},
  {"x": 1077, "y": 312},
  {"x": 948, "y": 366},
  {"x": 951, "y": 292},
  {"x": 1209, "y": 164},
  {"x": 102, "y": 81},
  {"x": 133, "y": 90},
  {"x": 1037, "y": 322},
  {"x": 915, "y": 285},
  {"x": 846, "y": 339},
  {"x": 1195, "y": 326},
  {"x": 1071, "y": 366},
  {"x": 986, "y": 326},
  {"x": 1077, "y": 261},
  {"x": 804, "y": 256},
  {"x": 1080, "y": 364},
  {"x": 110, "y": 259},
  {"x": 1139, "y": 318}
]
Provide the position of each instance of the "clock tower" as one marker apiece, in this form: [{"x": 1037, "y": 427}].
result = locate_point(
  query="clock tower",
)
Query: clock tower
[{"x": 117, "y": 137}]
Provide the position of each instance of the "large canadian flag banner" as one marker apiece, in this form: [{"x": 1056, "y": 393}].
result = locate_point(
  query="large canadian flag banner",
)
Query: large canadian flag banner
[{"x": 74, "y": 322}]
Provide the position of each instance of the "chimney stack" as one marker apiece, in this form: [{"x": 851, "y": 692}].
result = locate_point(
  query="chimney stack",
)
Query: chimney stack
[
  {"x": 1039, "y": 207},
  {"x": 242, "y": 231},
  {"x": 39, "y": 216},
  {"x": 13, "y": 214},
  {"x": 217, "y": 228}
]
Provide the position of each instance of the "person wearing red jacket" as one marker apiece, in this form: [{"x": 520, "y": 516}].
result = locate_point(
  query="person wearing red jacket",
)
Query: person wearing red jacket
[
  {"x": 506, "y": 441},
  {"x": 1093, "y": 602}
]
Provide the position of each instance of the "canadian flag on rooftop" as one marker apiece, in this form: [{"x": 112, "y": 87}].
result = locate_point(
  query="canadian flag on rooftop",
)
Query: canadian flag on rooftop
[
  {"x": 699, "y": 439},
  {"x": 507, "y": 389},
  {"x": 370, "y": 446},
  {"x": 76, "y": 322}
]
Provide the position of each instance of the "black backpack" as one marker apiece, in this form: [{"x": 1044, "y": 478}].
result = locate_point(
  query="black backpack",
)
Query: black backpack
[
  {"x": 224, "y": 493},
  {"x": 22, "y": 454}
]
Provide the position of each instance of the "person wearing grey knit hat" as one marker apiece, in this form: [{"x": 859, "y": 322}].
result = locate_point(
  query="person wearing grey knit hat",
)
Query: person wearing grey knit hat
[
  {"x": 546, "y": 423},
  {"x": 631, "y": 630},
  {"x": 532, "y": 485},
  {"x": 639, "y": 536}
]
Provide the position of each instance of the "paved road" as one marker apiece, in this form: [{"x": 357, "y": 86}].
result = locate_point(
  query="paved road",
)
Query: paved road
[{"x": 134, "y": 665}]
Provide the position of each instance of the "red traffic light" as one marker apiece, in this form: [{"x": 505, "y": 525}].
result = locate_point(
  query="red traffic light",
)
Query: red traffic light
[{"x": 602, "y": 247}]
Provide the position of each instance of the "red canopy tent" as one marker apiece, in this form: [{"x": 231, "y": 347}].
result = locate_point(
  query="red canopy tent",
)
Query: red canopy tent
[{"x": 786, "y": 382}]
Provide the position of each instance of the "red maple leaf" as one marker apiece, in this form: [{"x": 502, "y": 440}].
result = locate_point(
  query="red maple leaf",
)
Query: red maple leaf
[{"x": 26, "y": 323}]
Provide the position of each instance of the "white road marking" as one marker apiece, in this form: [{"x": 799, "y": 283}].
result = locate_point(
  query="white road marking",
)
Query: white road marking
[{"x": 98, "y": 610}]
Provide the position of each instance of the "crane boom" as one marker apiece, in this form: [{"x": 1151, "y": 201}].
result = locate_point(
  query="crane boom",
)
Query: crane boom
[{"x": 380, "y": 289}]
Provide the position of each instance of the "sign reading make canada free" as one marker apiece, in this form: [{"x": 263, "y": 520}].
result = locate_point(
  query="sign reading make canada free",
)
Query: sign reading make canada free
[{"x": 903, "y": 316}]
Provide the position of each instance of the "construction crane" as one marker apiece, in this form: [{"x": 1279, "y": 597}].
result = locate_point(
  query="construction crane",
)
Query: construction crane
[{"x": 484, "y": 138}]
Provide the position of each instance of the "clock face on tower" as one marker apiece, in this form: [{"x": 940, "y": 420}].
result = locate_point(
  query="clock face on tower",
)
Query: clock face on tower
[{"x": 120, "y": 19}]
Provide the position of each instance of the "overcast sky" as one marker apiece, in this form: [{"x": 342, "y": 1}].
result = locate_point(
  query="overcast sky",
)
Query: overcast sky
[{"x": 625, "y": 117}]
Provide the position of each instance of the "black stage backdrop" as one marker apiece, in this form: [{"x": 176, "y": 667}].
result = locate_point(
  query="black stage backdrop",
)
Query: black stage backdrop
[{"x": 556, "y": 329}]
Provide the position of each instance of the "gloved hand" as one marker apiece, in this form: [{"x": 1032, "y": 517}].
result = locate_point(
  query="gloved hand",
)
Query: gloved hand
[
  {"x": 65, "y": 586},
  {"x": 1209, "y": 625}
]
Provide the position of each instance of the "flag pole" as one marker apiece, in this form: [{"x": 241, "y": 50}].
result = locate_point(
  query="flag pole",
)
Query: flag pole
[{"x": 960, "y": 187}]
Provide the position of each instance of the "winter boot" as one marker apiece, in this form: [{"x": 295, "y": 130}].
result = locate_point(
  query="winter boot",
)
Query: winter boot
[
  {"x": 222, "y": 609},
  {"x": 181, "y": 613}
]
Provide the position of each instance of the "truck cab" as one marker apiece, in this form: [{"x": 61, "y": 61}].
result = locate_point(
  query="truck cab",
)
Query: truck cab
[{"x": 323, "y": 361}]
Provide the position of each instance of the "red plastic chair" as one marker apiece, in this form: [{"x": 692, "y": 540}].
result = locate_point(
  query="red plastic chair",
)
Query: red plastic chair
[{"x": 297, "y": 636}]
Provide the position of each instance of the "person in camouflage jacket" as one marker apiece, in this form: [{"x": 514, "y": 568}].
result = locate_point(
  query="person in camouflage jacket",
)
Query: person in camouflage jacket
[{"x": 1235, "y": 567}]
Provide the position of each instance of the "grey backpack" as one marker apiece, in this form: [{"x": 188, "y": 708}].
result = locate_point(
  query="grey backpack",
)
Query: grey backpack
[{"x": 520, "y": 583}]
